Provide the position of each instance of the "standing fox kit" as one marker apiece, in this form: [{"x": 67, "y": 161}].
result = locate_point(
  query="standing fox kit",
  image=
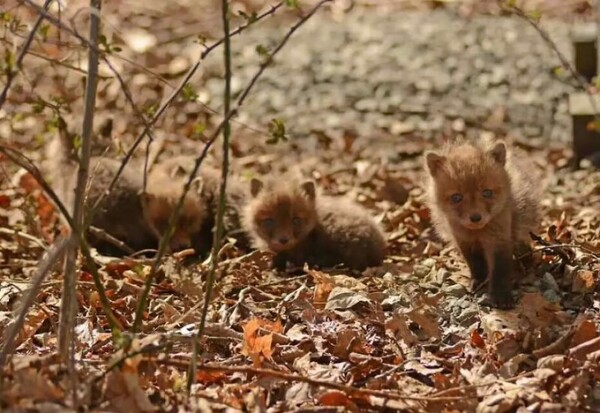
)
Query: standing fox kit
[
  {"x": 289, "y": 219},
  {"x": 481, "y": 201}
]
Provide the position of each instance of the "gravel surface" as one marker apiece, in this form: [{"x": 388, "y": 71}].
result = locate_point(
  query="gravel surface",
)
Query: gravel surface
[{"x": 406, "y": 72}]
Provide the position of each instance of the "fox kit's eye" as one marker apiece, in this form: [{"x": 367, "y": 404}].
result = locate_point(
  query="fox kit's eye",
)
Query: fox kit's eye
[
  {"x": 456, "y": 198},
  {"x": 269, "y": 223},
  {"x": 487, "y": 193},
  {"x": 296, "y": 221}
]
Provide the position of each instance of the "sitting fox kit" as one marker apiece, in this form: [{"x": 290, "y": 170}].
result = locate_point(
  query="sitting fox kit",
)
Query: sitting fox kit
[
  {"x": 288, "y": 218},
  {"x": 479, "y": 200}
]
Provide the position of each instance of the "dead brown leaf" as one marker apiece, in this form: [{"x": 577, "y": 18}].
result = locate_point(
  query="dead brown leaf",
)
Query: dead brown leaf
[{"x": 256, "y": 346}]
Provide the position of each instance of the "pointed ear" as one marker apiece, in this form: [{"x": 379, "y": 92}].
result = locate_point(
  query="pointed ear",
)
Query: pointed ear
[
  {"x": 256, "y": 186},
  {"x": 434, "y": 161},
  {"x": 498, "y": 152},
  {"x": 308, "y": 187}
]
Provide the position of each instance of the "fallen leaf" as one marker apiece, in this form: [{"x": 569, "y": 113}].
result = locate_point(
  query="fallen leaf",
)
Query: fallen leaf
[
  {"x": 255, "y": 345},
  {"x": 123, "y": 392},
  {"x": 477, "y": 340}
]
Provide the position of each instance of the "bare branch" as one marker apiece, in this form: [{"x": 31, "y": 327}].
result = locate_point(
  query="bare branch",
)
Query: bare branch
[
  {"x": 218, "y": 234},
  {"x": 190, "y": 73},
  {"x": 583, "y": 83},
  {"x": 68, "y": 307},
  {"x": 12, "y": 72}
]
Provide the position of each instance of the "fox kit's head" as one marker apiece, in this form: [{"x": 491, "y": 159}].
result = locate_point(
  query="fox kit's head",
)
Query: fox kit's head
[
  {"x": 283, "y": 215},
  {"x": 470, "y": 184},
  {"x": 158, "y": 205}
]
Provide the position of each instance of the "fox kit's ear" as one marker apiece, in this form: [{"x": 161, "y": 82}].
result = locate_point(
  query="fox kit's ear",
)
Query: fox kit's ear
[
  {"x": 498, "y": 152},
  {"x": 434, "y": 162},
  {"x": 309, "y": 189},
  {"x": 256, "y": 186}
]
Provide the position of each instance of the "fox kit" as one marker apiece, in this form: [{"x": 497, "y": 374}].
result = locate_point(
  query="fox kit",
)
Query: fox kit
[
  {"x": 481, "y": 201},
  {"x": 126, "y": 213},
  {"x": 206, "y": 186},
  {"x": 289, "y": 219}
]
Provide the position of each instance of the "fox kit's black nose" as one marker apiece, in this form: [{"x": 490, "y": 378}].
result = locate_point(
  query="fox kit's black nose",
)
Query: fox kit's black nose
[
  {"x": 475, "y": 218},
  {"x": 283, "y": 240}
]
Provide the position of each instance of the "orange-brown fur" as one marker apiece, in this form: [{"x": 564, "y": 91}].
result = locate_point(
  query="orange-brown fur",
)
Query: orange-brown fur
[
  {"x": 288, "y": 218},
  {"x": 159, "y": 202},
  {"x": 482, "y": 201},
  {"x": 206, "y": 186}
]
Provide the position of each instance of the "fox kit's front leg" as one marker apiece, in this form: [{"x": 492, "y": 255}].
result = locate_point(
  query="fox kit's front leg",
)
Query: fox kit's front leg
[
  {"x": 475, "y": 257},
  {"x": 501, "y": 271}
]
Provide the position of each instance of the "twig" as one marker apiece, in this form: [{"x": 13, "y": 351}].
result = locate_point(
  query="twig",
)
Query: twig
[
  {"x": 11, "y": 74},
  {"x": 166, "y": 237},
  {"x": 44, "y": 267},
  {"x": 582, "y": 350},
  {"x": 104, "y": 236},
  {"x": 24, "y": 236},
  {"x": 190, "y": 73},
  {"x": 349, "y": 390},
  {"x": 68, "y": 309},
  {"x": 557, "y": 346},
  {"x": 218, "y": 234},
  {"x": 583, "y": 83}
]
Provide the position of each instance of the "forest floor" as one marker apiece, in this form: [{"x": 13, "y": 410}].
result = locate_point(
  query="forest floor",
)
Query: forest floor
[{"x": 362, "y": 94}]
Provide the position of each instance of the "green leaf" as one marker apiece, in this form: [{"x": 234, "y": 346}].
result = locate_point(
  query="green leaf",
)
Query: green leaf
[
  {"x": 77, "y": 141},
  {"x": 511, "y": 3},
  {"x": 188, "y": 93},
  {"x": 262, "y": 51},
  {"x": 277, "y": 130},
  {"x": 150, "y": 110},
  {"x": 38, "y": 106},
  {"x": 44, "y": 30},
  {"x": 250, "y": 18},
  {"x": 559, "y": 71},
  {"x": 596, "y": 81},
  {"x": 535, "y": 15},
  {"x": 199, "y": 128},
  {"x": 293, "y": 4}
]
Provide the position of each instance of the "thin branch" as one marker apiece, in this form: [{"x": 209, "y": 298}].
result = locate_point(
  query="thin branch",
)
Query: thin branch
[
  {"x": 218, "y": 234},
  {"x": 12, "y": 72},
  {"x": 282, "y": 375},
  {"x": 583, "y": 83},
  {"x": 24, "y": 236},
  {"x": 177, "y": 210},
  {"x": 68, "y": 307},
  {"x": 190, "y": 73},
  {"x": 44, "y": 267}
]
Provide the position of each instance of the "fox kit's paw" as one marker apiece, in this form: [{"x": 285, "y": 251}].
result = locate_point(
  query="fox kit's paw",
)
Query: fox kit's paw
[
  {"x": 279, "y": 262},
  {"x": 502, "y": 300}
]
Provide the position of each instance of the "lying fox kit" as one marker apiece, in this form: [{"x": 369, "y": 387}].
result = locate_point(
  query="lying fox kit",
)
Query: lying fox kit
[
  {"x": 126, "y": 214},
  {"x": 480, "y": 200},
  {"x": 289, "y": 219}
]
